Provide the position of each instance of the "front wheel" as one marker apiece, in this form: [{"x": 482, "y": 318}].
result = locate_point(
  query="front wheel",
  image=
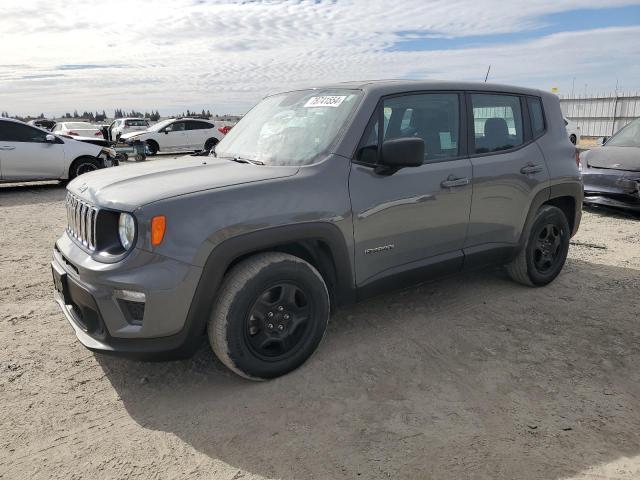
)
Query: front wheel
[
  {"x": 210, "y": 143},
  {"x": 151, "y": 147},
  {"x": 545, "y": 250},
  {"x": 83, "y": 165},
  {"x": 573, "y": 139},
  {"x": 270, "y": 315}
]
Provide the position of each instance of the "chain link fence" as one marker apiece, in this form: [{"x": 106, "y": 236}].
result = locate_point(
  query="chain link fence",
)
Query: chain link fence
[{"x": 602, "y": 115}]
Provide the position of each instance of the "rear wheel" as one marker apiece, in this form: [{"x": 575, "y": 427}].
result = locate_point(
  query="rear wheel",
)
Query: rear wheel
[
  {"x": 83, "y": 165},
  {"x": 210, "y": 143},
  {"x": 573, "y": 139},
  {"x": 152, "y": 147},
  {"x": 545, "y": 250},
  {"x": 270, "y": 315}
]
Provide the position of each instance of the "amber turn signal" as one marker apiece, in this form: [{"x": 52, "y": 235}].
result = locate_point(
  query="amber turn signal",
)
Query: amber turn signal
[{"x": 158, "y": 226}]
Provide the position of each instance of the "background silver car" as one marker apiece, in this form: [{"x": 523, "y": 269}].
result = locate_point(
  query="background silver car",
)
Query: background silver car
[{"x": 30, "y": 153}]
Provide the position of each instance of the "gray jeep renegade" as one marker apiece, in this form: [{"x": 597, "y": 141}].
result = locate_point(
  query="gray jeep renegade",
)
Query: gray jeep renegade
[{"x": 317, "y": 198}]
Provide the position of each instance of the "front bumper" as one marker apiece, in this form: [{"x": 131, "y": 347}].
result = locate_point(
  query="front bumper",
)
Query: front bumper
[
  {"x": 613, "y": 188},
  {"x": 94, "y": 300}
]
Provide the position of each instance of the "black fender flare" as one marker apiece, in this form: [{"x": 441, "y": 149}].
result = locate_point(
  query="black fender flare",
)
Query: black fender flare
[
  {"x": 224, "y": 254},
  {"x": 572, "y": 189}
]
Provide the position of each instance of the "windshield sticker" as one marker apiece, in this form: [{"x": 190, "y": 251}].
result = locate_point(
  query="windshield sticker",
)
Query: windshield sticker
[{"x": 325, "y": 101}]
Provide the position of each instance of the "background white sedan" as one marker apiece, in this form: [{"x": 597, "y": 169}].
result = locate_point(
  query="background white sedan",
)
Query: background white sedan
[
  {"x": 30, "y": 153},
  {"x": 77, "y": 129},
  {"x": 178, "y": 134},
  {"x": 573, "y": 130}
]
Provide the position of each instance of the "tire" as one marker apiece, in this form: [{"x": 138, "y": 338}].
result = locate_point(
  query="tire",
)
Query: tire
[
  {"x": 210, "y": 143},
  {"x": 573, "y": 139},
  {"x": 248, "y": 330},
  {"x": 547, "y": 243},
  {"x": 83, "y": 165},
  {"x": 153, "y": 147}
]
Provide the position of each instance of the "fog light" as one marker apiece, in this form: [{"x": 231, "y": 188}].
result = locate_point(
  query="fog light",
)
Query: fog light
[
  {"x": 131, "y": 304},
  {"x": 131, "y": 295}
]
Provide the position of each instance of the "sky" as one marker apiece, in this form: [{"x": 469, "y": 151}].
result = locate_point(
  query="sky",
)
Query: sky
[{"x": 225, "y": 55}]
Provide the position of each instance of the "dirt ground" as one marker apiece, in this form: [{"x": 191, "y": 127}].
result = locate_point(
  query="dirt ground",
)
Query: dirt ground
[{"x": 471, "y": 377}]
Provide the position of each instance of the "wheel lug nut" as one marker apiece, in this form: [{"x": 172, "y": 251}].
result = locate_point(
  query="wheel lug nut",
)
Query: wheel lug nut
[
  {"x": 280, "y": 308},
  {"x": 281, "y": 327},
  {"x": 270, "y": 325},
  {"x": 286, "y": 316},
  {"x": 270, "y": 314}
]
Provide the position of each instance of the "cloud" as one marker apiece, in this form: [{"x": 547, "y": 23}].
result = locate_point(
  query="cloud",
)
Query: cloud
[
  {"x": 225, "y": 54},
  {"x": 75, "y": 66}
]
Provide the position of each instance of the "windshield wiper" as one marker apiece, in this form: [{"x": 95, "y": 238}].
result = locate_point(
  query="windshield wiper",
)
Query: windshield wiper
[{"x": 246, "y": 160}]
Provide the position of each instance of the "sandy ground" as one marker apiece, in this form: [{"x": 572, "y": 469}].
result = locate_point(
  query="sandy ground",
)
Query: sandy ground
[{"x": 471, "y": 377}]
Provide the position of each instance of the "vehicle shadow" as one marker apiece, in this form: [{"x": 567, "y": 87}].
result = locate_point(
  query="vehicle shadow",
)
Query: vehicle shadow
[
  {"x": 13, "y": 194},
  {"x": 468, "y": 377},
  {"x": 612, "y": 212}
]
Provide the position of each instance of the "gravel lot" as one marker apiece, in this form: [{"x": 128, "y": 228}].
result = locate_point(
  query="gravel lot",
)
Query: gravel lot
[{"x": 469, "y": 377}]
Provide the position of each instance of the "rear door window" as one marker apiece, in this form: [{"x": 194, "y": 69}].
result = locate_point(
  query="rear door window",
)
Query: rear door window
[
  {"x": 497, "y": 122},
  {"x": 196, "y": 125}
]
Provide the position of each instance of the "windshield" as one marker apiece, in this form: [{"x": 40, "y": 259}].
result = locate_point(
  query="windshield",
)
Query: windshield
[
  {"x": 290, "y": 128},
  {"x": 629, "y": 136},
  {"x": 156, "y": 127}
]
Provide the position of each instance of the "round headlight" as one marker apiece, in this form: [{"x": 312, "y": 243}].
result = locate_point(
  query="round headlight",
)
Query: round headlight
[{"x": 126, "y": 230}]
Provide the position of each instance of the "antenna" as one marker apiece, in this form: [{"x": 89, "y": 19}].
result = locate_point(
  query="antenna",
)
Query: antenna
[{"x": 487, "y": 75}]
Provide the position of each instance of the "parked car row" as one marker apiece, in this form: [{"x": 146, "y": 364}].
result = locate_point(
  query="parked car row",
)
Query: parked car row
[{"x": 171, "y": 135}]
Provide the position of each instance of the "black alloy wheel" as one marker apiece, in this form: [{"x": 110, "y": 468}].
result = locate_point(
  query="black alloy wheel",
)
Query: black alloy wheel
[
  {"x": 278, "y": 322},
  {"x": 546, "y": 252}
]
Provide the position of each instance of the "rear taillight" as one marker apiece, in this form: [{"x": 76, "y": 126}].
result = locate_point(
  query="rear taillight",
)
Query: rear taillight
[
  {"x": 98, "y": 133},
  {"x": 578, "y": 160},
  {"x": 224, "y": 130},
  {"x": 72, "y": 133}
]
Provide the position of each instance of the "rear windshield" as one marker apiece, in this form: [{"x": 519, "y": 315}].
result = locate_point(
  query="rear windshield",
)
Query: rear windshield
[
  {"x": 80, "y": 125},
  {"x": 136, "y": 123}
]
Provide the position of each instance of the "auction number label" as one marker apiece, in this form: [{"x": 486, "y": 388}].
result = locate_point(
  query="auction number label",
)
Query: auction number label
[{"x": 325, "y": 101}]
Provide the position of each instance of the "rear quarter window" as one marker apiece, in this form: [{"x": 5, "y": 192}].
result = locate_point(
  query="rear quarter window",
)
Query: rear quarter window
[{"x": 536, "y": 114}]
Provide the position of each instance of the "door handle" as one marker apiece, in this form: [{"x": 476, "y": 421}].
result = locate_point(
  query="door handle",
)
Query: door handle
[
  {"x": 7, "y": 147},
  {"x": 452, "y": 181},
  {"x": 531, "y": 168}
]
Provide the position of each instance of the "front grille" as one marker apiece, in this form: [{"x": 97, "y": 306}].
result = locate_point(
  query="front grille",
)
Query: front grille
[{"x": 81, "y": 221}]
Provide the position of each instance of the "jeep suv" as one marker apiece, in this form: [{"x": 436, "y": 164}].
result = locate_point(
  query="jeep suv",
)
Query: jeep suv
[{"x": 317, "y": 198}]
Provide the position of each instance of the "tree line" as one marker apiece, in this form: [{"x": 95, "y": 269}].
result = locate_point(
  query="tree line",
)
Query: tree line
[{"x": 154, "y": 116}]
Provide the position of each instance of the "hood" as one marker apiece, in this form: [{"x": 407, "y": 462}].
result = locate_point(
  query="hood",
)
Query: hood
[
  {"x": 129, "y": 187},
  {"x": 124, "y": 136},
  {"x": 74, "y": 148},
  {"x": 615, "y": 158}
]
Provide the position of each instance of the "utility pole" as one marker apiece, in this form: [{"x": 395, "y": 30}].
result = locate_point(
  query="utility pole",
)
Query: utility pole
[
  {"x": 573, "y": 86},
  {"x": 487, "y": 75}
]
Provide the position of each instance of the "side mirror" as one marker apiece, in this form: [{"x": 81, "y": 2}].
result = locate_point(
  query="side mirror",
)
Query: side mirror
[
  {"x": 50, "y": 138},
  {"x": 602, "y": 140},
  {"x": 402, "y": 152}
]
